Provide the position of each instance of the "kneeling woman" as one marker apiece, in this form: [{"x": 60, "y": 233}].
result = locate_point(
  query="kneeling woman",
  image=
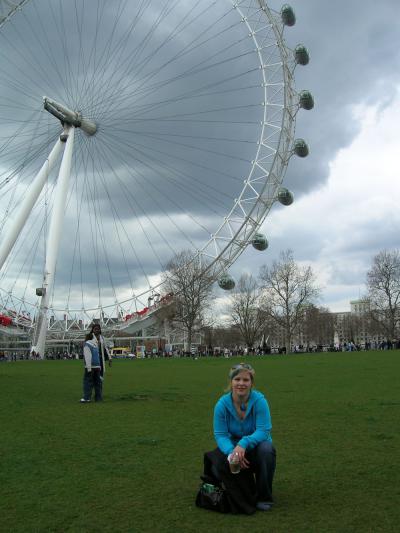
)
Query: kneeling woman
[{"x": 242, "y": 430}]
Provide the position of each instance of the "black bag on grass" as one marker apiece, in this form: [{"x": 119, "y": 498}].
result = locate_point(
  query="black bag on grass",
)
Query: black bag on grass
[
  {"x": 213, "y": 498},
  {"x": 235, "y": 493}
]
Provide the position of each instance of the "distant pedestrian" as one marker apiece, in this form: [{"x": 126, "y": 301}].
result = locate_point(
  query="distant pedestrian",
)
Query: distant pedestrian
[{"x": 95, "y": 353}]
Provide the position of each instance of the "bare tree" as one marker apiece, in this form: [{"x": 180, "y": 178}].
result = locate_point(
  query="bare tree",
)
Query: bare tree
[
  {"x": 245, "y": 309},
  {"x": 351, "y": 326},
  {"x": 383, "y": 286},
  {"x": 223, "y": 336},
  {"x": 318, "y": 325},
  {"x": 191, "y": 287},
  {"x": 288, "y": 289}
]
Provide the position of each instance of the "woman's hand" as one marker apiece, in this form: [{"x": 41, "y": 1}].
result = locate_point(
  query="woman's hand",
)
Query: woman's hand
[{"x": 244, "y": 463}]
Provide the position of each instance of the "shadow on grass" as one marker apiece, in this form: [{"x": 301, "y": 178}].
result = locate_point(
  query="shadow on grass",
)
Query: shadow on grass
[
  {"x": 152, "y": 396},
  {"x": 148, "y": 442}
]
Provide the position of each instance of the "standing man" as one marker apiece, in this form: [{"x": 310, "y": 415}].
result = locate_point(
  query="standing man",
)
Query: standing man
[{"x": 95, "y": 353}]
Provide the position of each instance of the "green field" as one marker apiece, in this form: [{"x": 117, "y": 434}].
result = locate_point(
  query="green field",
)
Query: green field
[{"x": 132, "y": 463}]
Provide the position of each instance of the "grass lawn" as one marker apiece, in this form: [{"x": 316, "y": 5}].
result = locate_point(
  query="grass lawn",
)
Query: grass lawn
[{"x": 133, "y": 462}]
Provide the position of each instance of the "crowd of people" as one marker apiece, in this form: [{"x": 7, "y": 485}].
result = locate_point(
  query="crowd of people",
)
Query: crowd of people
[
  {"x": 28, "y": 355},
  {"x": 209, "y": 351}
]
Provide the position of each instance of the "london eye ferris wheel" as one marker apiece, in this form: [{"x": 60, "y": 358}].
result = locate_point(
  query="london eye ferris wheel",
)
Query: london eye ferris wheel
[{"x": 130, "y": 131}]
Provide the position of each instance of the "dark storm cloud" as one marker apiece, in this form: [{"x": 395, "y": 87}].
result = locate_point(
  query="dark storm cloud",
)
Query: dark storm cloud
[
  {"x": 164, "y": 136},
  {"x": 354, "y": 60},
  {"x": 144, "y": 166}
]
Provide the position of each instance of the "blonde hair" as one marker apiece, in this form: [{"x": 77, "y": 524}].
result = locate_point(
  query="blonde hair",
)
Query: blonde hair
[{"x": 237, "y": 369}]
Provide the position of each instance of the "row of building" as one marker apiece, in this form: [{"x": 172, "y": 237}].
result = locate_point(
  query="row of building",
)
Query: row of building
[{"x": 326, "y": 328}]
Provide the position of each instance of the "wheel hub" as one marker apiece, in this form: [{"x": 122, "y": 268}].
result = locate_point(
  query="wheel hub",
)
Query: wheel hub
[{"x": 69, "y": 117}]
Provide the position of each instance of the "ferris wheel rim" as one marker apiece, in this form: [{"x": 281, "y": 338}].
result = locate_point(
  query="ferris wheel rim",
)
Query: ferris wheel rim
[
  {"x": 224, "y": 255},
  {"x": 289, "y": 117}
]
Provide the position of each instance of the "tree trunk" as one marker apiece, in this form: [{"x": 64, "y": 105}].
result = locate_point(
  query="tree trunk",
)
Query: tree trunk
[{"x": 188, "y": 348}]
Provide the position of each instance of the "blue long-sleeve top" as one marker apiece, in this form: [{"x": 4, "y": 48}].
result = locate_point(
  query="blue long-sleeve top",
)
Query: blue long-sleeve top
[{"x": 230, "y": 430}]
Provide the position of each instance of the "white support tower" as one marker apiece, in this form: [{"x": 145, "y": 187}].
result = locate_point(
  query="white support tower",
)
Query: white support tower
[
  {"x": 53, "y": 242},
  {"x": 70, "y": 120}
]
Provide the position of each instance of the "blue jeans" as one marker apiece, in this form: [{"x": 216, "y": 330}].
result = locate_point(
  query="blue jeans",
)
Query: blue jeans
[
  {"x": 263, "y": 463},
  {"x": 92, "y": 380}
]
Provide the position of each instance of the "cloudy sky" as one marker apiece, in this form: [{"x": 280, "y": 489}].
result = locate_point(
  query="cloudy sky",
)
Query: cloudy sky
[
  {"x": 347, "y": 191},
  {"x": 174, "y": 86}
]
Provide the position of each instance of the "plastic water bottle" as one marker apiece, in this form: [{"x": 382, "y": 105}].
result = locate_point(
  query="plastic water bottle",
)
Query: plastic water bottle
[{"x": 234, "y": 463}]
